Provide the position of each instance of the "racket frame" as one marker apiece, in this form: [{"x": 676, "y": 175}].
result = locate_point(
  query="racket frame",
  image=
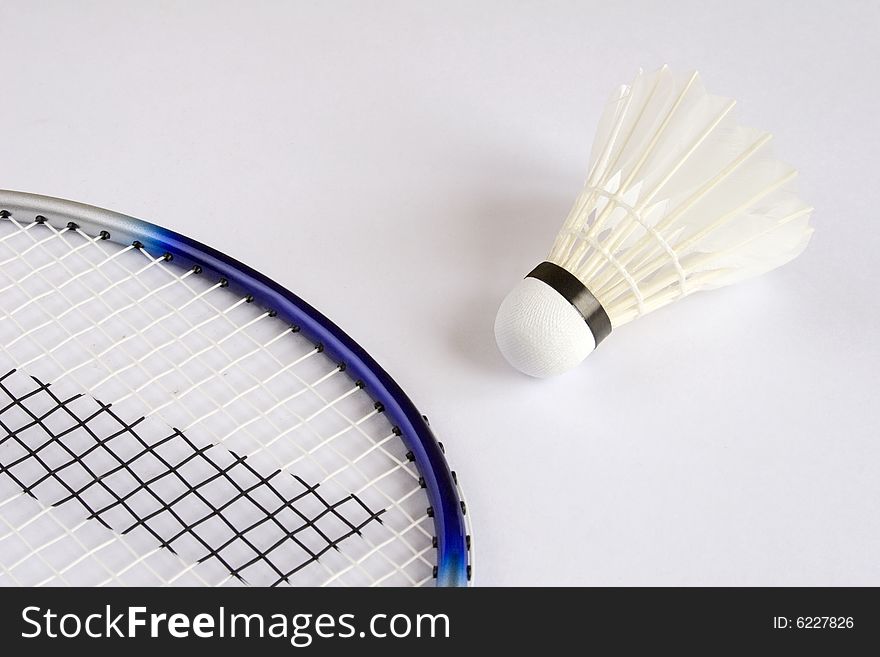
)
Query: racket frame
[{"x": 446, "y": 506}]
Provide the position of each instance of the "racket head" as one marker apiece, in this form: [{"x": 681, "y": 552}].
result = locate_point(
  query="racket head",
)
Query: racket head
[{"x": 445, "y": 505}]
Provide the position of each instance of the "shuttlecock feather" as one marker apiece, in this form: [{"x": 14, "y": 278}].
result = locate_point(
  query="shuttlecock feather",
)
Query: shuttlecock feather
[{"x": 679, "y": 198}]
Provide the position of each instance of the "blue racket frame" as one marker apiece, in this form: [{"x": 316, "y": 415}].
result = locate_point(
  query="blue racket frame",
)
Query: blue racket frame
[{"x": 447, "y": 508}]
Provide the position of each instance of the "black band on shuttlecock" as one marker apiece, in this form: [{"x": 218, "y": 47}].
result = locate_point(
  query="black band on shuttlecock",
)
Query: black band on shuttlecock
[{"x": 577, "y": 294}]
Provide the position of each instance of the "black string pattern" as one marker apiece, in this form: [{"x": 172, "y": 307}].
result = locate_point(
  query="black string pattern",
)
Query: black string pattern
[{"x": 201, "y": 502}]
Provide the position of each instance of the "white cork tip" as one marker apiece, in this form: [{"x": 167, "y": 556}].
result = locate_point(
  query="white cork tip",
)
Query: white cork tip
[{"x": 539, "y": 332}]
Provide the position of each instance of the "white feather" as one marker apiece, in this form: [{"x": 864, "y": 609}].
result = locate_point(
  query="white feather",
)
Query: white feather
[{"x": 679, "y": 198}]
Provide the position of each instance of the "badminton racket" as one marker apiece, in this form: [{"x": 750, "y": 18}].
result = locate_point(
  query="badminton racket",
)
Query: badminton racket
[{"x": 169, "y": 416}]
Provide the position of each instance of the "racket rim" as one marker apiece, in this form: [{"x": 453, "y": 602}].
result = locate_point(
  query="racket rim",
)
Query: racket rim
[{"x": 447, "y": 508}]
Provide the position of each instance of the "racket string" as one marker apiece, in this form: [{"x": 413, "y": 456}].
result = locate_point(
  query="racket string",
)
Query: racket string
[
  {"x": 186, "y": 452},
  {"x": 411, "y": 531}
]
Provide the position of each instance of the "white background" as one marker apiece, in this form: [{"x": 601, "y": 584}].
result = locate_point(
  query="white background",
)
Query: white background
[{"x": 401, "y": 165}]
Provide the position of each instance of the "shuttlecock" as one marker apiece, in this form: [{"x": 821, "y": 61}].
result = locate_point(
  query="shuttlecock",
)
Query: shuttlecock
[{"x": 679, "y": 198}]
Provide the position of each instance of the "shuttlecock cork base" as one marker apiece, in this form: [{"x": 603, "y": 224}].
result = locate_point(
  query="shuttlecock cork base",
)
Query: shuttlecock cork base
[{"x": 549, "y": 322}]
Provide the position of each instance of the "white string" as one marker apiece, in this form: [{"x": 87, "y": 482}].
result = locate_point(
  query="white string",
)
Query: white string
[
  {"x": 634, "y": 214},
  {"x": 247, "y": 412}
]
